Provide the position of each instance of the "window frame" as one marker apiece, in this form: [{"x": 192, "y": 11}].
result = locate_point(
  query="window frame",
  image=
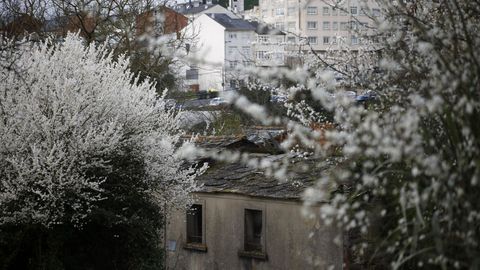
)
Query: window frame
[
  {"x": 312, "y": 25},
  {"x": 312, "y": 10},
  {"x": 195, "y": 245},
  {"x": 259, "y": 254}
]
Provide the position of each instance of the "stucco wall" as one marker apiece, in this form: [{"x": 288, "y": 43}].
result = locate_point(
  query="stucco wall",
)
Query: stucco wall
[
  {"x": 286, "y": 237},
  {"x": 208, "y": 49}
]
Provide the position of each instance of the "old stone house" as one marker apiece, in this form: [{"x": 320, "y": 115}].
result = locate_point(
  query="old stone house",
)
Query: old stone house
[{"x": 245, "y": 219}]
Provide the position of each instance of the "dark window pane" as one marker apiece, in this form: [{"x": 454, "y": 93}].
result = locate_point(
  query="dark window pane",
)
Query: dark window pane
[
  {"x": 194, "y": 224},
  {"x": 253, "y": 230}
]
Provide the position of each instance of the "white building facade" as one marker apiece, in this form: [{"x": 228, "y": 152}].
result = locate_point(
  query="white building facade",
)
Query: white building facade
[
  {"x": 220, "y": 47},
  {"x": 320, "y": 23}
]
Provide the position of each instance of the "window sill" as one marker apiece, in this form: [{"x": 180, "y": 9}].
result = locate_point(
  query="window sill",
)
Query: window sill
[
  {"x": 195, "y": 247},
  {"x": 260, "y": 255}
]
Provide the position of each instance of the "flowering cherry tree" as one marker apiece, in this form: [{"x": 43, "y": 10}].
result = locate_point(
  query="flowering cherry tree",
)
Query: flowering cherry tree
[{"x": 72, "y": 121}]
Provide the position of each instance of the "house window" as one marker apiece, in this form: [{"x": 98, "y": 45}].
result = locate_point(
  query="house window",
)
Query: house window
[
  {"x": 334, "y": 40},
  {"x": 232, "y": 35},
  {"x": 343, "y": 26},
  {"x": 280, "y": 12},
  {"x": 326, "y": 25},
  {"x": 326, "y": 40},
  {"x": 353, "y": 25},
  {"x": 312, "y": 40},
  {"x": 194, "y": 224},
  {"x": 353, "y": 10},
  {"x": 312, "y": 10},
  {"x": 262, "y": 39},
  {"x": 326, "y": 11},
  {"x": 334, "y": 25},
  {"x": 354, "y": 40},
  {"x": 253, "y": 230},
  {"x": 311, "y": 25}
]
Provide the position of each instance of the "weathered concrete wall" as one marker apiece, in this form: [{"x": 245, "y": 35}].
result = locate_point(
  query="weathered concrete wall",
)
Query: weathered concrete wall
[{"x": 290, "y": 241}]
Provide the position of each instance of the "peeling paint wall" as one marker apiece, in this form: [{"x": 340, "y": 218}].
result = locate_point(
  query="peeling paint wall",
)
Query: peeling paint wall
[{"x": 289, "y": 240}]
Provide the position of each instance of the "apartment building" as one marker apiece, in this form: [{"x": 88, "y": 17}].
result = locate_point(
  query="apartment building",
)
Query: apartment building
[
  {"x": 321, "y": 23},
  {"x": 222, "y": 45}
]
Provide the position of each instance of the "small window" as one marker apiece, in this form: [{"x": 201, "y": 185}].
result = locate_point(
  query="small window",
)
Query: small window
[
  {"x": 343, "y": 12},
  {"x": 312, "y": 10},
  {"x": 280, "y": 12},
  {"x": 326, "y": 40},
  {"x": 343, "y": 26},
  {"x": 376, "y": 12},
  {"x": 354, "y": 40},
  {"x": 253, "y": 230},
  {"x": 312, "y": 40},
  {"x": 326, "y": 11},
  {"x": 353, "y": 10},
  {"x": 326, "y": 25},
  {"x": 311, "y": 25},
  {"x": 291, "y": 39},
  {"x": 334, "y": 25},
  {"x": 194, "y": 224}
]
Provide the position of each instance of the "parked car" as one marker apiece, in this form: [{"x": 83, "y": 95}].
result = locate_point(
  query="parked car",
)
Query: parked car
[
  {"x": 369, "y": 95},
  {"x": 217, "y": 101},
  {"x": 278, "y": 99}
]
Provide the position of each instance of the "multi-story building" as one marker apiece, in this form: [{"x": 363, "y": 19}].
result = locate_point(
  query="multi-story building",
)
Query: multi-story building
[
  {"x": 320, "y": 23},
  {"x": 221, "y": 46}
]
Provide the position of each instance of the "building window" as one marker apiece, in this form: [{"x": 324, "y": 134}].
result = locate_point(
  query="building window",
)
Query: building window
[
  {"x": 334, "y": 25},
  {"x": 326, "y": 11},
  {"x": 311, "y": 25},
  {"x": 353, "y": 10},
  {"x": 312, "y": 11},
  {"x": 334, "y": 40},
  {"x": 261, "y": 55},
  {"x": 191, "y": 74},
  {"x": 353, "y": 25},
  {"x": 326, "y": 25},
  {"x": 343, "y": 12},
  {"x": 343, "y": 26},
  {"x": 280, "y": 12},
  {"x": 253, "y": 230},
  {"x": 326, "y": 40},
  {"x": 376, "y": 12},
  {"x": 232, "y": 35},
  {"x": 233, "y": 64},
  {"x": 290, "y": 39},
  {"x": 354, "y": 40},
  {"x": 194, "y": 224},
  {"x": 312, "y": 40}
]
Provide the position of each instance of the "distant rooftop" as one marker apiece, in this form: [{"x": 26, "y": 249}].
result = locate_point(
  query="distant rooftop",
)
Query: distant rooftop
[{"x": 231, "y": 23}]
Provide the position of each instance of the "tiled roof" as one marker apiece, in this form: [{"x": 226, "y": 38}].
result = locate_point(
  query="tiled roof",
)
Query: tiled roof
[{"x": 230, "y": 23}]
